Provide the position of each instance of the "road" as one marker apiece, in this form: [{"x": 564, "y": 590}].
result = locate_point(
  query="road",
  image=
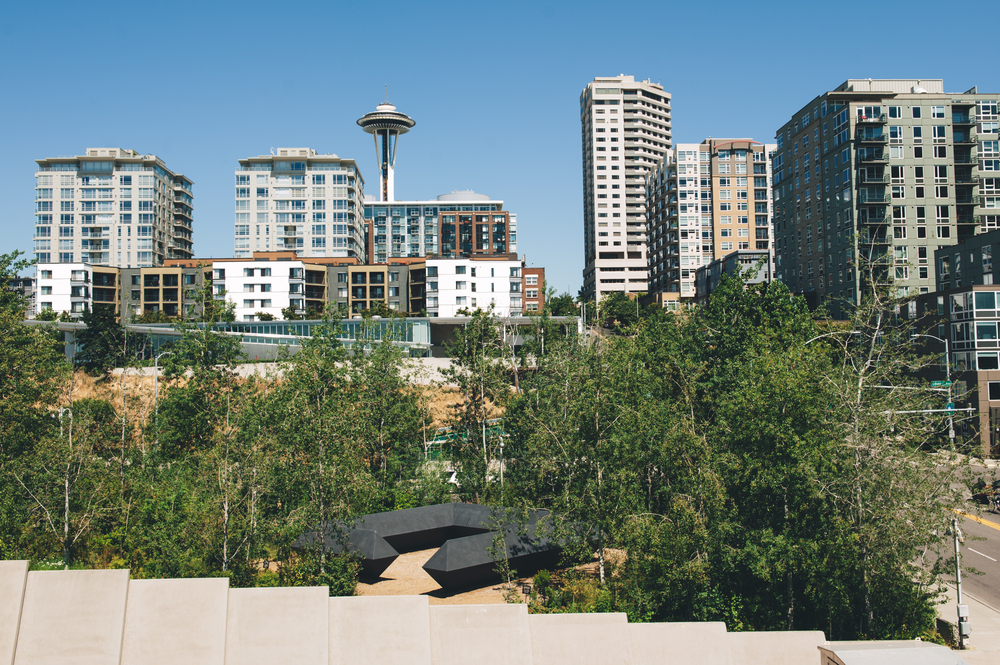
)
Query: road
[{"x": 981, "y": 551}]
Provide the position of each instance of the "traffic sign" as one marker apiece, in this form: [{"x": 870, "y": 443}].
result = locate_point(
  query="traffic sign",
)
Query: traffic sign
[
  {"x": 950, "y": 406},
  {"x": 940, "y": 384}
]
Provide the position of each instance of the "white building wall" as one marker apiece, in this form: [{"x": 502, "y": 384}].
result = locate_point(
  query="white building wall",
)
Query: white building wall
[
  {"x": 64, "y": 287},
  {"x": 268, "y": 287},
  {"x": 474, "y": 284}
]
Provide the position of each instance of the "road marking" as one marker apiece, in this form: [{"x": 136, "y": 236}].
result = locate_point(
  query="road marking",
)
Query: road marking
[
  {"x": 992, "y": 525},
  {"x": 981, "y": 554}
]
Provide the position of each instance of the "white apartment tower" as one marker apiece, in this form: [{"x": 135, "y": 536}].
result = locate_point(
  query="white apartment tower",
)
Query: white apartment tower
[
  {"x": 626, "y": 131},
  {"x": 296, "y": 199},
  {"x": 111, "y": 207}
]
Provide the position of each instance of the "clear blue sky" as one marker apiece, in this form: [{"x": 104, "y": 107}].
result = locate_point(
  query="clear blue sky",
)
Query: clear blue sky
[{"x": 494, "y": 88}]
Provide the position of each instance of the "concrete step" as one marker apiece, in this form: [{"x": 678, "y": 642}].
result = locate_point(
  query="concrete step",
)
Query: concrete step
[
  {"x": 72, "y": 616},
  {"x": 481, "y": 634},
  {"x": 680, "y": 643},
  {"x": 13, "y": 576},
  {"x": 380, "y": 630},
  {"x": 776, "y": 647},
  {"x": 176, "y": 621},
  {"x": 278, "y": 625},
  {"x": 598, "y": 639}
]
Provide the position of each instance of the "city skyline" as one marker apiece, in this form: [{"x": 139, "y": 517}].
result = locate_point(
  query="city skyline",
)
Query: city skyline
[{"x": 498, "y": 122}]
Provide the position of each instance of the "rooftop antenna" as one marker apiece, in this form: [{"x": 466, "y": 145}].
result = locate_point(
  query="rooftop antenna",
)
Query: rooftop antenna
[{"x": 387, "y": 94}]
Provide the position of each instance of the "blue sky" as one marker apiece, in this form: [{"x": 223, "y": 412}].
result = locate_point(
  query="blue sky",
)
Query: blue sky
[{"x": 494, "y": 88}]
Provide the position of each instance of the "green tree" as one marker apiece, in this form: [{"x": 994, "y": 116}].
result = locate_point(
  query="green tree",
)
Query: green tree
[
  {"x": 32, "y": 367},
  {"x": 478, "y": 370},
  {"x": 560, "y": 305},
  {"x": 321, "y": 476},
  {"x": 390, "y": 413},
  {"x": 105, "y": 344},
  {"x": 64, "y": 479}
]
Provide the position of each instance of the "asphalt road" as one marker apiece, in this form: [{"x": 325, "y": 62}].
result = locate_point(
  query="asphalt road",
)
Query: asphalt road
[{"x": 981, "y": 551}]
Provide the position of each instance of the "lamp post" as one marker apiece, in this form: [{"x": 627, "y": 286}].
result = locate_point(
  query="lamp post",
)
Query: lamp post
[
  {"x": 947, "y": 366},
  {"x": 963, "y": 610},
  {"x": 156, "y": 384}
]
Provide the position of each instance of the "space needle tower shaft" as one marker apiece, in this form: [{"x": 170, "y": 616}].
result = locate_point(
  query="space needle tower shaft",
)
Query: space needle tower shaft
[{"x": 386, "y": 124}]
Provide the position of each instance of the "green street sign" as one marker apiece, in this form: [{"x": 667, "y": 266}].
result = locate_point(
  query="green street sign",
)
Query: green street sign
[
  {"x": 950, "y": 406},
  {"x": 940, "y": 384}
]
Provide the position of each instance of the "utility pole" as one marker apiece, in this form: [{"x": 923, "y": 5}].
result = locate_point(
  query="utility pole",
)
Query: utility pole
[
  {"x": 963, "y": 610},
  {"x": 951, "y": 405}
]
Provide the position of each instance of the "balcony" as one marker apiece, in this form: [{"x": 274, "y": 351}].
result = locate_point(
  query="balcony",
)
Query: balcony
[
  {"x": 966, "y": 179},
  {"x": 966, "y": 159},
  {"x": 872, "y": 119},
  {"x": 875, "y": 240},
  {"x": 880, "y": 157},
  {"x": 967, "y": 200},
  {"x": 867, "y": 136},
  {"x": 866, "y": 178},
  {"x": 963, "y": 118},
  {"x": 876, "y": 219},
  {"x": 867, "y": 198},
  {"x": 964, "y": 138}
]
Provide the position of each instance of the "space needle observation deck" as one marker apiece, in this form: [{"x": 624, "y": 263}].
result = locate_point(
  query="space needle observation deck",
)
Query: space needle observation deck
[{"x": 386, "y": 124}]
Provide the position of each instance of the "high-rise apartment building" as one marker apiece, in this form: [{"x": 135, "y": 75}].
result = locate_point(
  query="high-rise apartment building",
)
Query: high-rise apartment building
[
  {"x": 296, "y": 199},
  {"x": 704, "y": 201},
  {"x": 111, "y": 207},
  {"x": 452, "y": 225},
  {"x": 626, "y": 131},
  {"x": 881, "y": 173}
]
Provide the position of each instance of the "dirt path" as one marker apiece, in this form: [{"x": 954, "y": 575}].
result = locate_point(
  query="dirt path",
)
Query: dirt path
[{"x": 406, "y": 577}]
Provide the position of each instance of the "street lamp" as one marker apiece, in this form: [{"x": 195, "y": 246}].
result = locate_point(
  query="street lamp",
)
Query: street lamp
[
  {"x": 963, "y": 610},
  {"x": 156, "y": 384},
  {"x": 947, "y": 365}
]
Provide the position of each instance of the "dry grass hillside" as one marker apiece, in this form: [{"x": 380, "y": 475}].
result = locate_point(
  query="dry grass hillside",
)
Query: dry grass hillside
[{"x": 139, "y": 392}]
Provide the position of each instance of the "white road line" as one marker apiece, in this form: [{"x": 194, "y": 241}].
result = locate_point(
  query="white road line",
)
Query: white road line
[{"x": 981, "y": 554}]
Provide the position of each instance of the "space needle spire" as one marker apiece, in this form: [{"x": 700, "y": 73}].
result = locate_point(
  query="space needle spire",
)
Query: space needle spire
[{"x": 386, "y": 124}]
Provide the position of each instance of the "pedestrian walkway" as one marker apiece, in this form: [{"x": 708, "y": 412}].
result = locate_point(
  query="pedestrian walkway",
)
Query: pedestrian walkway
[{"x": 983, "y": 648}]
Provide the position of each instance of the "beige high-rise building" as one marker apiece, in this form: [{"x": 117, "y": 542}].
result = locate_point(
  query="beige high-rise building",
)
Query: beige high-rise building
[
  {"x": 626, "y": 130},
  {"x": 111, "y": 207},
  {"x": 705, "y": 201},
  {"x": 882, "y": 172},
  {"x": 297, "y": 199}
]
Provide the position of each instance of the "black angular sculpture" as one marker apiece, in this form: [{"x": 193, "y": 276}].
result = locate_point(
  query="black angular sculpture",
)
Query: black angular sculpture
[{"x": 464, "y": 532}]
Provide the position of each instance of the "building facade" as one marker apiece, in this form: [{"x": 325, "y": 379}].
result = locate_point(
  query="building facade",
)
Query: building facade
[
  {"x": 534, "y": 290},
  {"x": 465, "y": 285},
  {"x": 112, "y": 207},
  {"x": 703, "y": 202},
  {"x": 275, "y": 284},
  {"x": 871, "y": 178},
  {"x": 174, "y": 289},
  {"x": 626, "y": 131},
  {"x": 456, "y": 224},
  {"x": 752, "y": 264},
  {"x": 299, "y": 200}
]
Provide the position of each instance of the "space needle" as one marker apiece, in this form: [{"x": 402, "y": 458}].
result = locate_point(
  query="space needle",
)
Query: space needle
[{"x": 386, "y": 124}]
